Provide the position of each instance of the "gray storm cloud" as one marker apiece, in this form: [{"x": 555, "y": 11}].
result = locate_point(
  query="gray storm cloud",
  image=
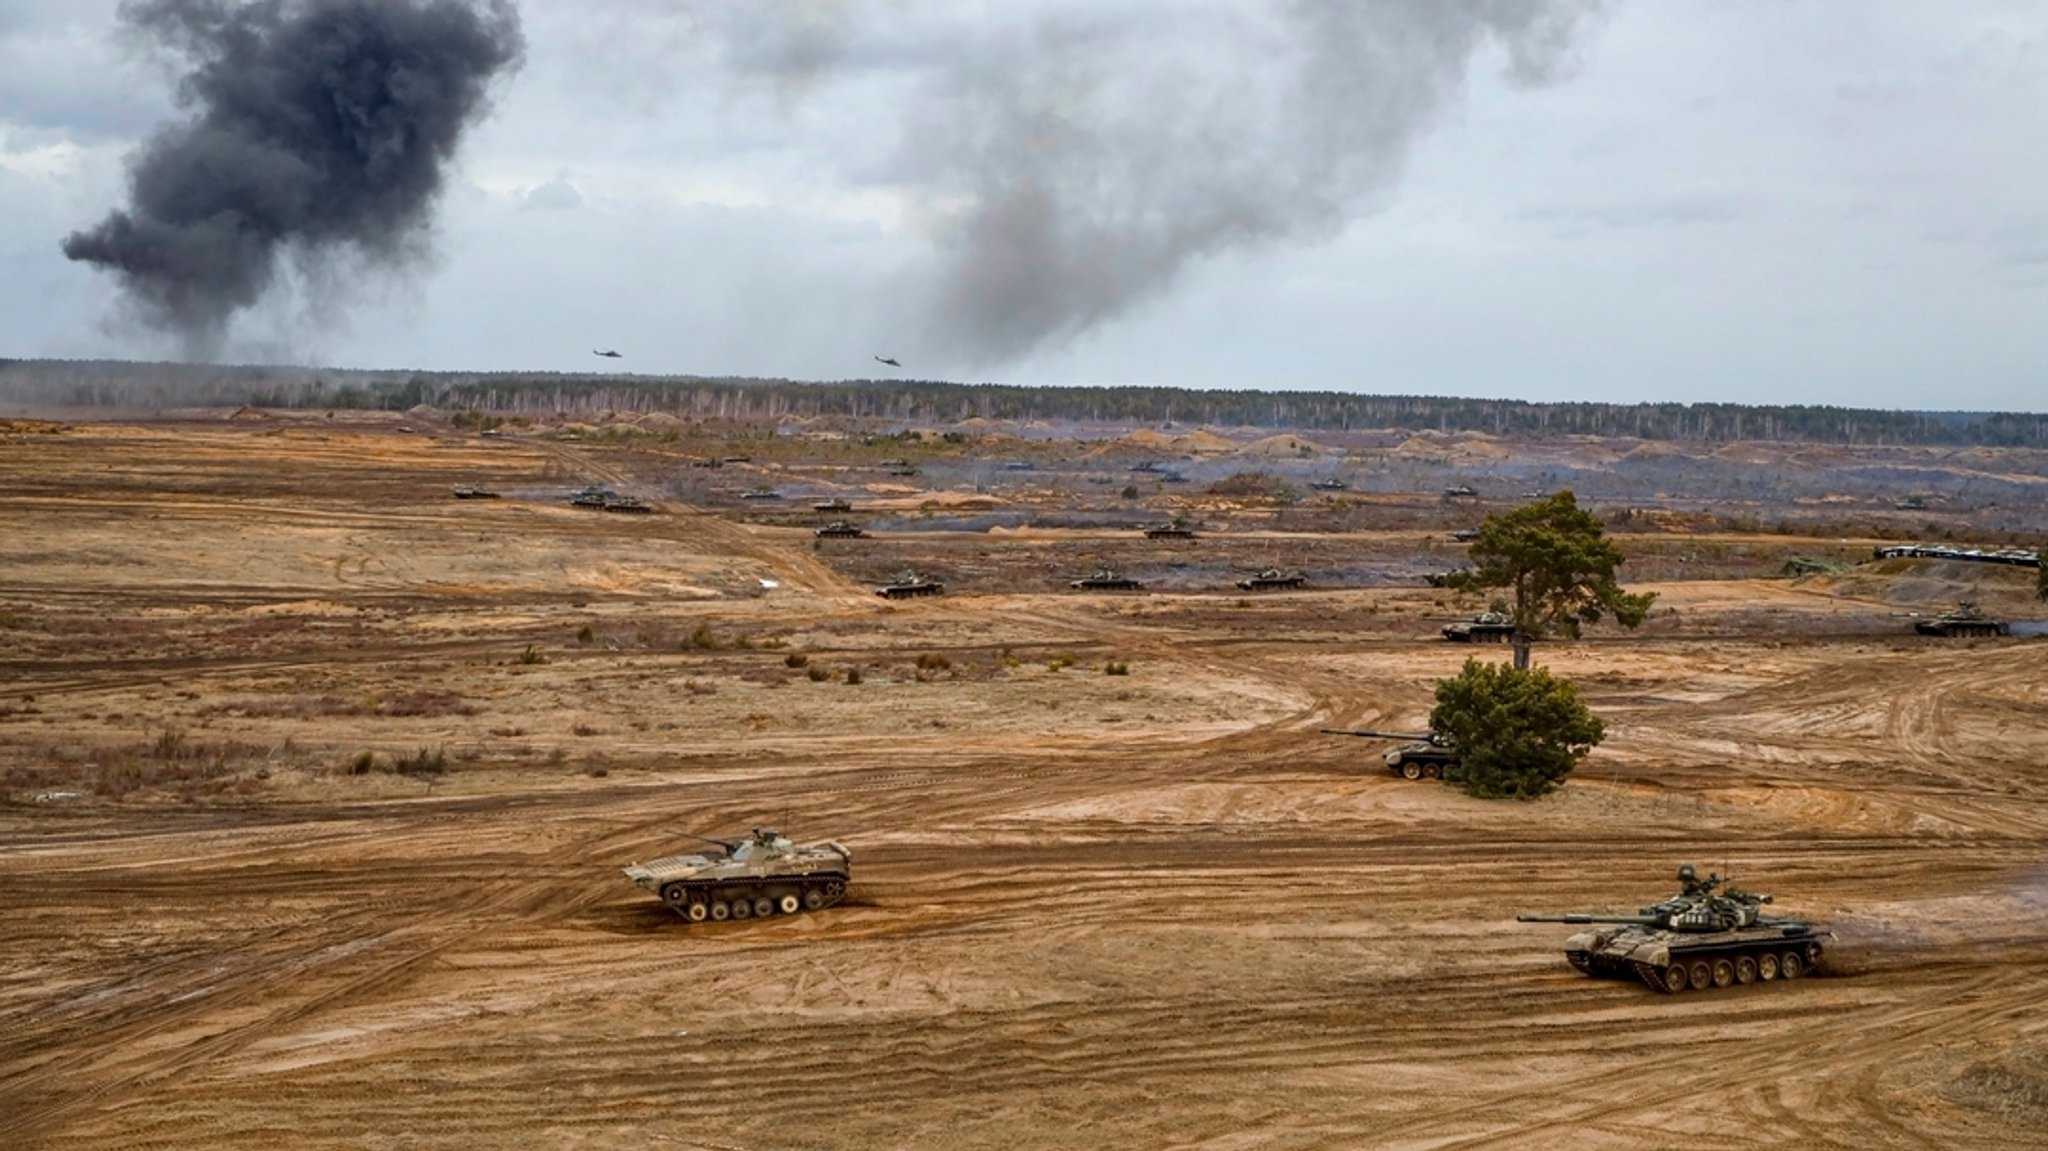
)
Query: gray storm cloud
[
  {"x": 320, "y": 129},
  {"x": 1078, "y": 165}
]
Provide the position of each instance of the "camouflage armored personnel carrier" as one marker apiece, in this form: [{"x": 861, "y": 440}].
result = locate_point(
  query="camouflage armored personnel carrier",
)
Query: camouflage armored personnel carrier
[
  {"x": 1106, "y": 579},
  {"x": 1428, "y": 755},
  {"x": 592, "y": 497},
  {"x": 840, "y": 530},
  {"x": 832, "y": 505},
  {"x": 1175, "y": 529},
  {"x": 910, "y": 584},
  {"x": 1273, "y": 579},
  {"x": 1697, "y": 939},
  {"x": 475, "y": 494},
  {"x": 756, "y": 877},
  {"x": 1486, "y": 627},
  {"x": 1965, "y": 619}
]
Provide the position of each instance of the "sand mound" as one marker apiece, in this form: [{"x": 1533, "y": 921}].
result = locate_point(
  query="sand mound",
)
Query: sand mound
[
  {"x": 1280, "y": 447},
  {"x": 1147, "y": 438},
  {"x": 1203, "y": 442}
]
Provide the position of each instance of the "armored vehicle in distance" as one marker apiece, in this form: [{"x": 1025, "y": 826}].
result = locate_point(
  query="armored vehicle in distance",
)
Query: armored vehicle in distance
[
  {"x": 910, "y": 584},
  {"x": 1965, "y": 619},
  {"x": 752, "y": 878},
  {"x": 760, "y": 494},
  {"x": 840, "y": 530},
  {"x": 1106, "y": 579},
  {"x": 627, "y": 505},
  {"x": 1176, "y": 529},
  {"x": 1698, "y": 939},
  {"x": 592, "y": 497},
  {"x": 832, "y": 505},
  {"x": 1428, "y": 755},
  {"x": 1486, "y": 627},
  {"x": 475, "y": 494},
  {"x": 1330, "y": 485},
  {"x": 1273, "y": 579}
]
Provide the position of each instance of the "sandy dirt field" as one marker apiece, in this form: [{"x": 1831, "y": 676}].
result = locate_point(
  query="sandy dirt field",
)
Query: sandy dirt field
[{"x": 318, "y": 782}]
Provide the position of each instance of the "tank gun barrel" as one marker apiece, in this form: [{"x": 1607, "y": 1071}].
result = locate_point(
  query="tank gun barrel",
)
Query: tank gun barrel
[
  {"x": 1369, "y": 733},
  {"x": 1640, "y": 920}
]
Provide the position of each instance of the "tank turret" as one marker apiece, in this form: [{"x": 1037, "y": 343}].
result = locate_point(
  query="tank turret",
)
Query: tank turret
[
  {"x": 1710, "y": 934},
  {"x": 762, "y": 875},
  {"x": 1273, "y": 579},
  {"x": 1486, "y": 627},
  {"x": 910, "y": 584}
]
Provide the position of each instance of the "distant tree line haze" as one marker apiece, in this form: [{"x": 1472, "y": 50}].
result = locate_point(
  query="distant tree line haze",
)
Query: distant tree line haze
[{"x": 120, "y": 384}]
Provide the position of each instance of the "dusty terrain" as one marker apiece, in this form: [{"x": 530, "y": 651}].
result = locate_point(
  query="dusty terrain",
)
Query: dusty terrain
[{"x": 317, "y": 782}]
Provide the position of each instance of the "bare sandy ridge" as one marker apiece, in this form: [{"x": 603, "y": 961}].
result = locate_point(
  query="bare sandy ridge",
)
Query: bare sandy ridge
[{"x": 1149, "y": 910}]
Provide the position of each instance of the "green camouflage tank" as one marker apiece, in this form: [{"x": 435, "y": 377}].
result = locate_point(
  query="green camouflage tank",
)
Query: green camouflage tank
[{"x": 1699, "y": 939}]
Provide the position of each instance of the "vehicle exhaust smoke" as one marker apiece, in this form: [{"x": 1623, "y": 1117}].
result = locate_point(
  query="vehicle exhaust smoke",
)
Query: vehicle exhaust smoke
[{"x": 320, "y": 130}]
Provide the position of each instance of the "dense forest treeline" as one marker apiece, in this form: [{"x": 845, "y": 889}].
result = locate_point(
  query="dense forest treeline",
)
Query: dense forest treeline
[{"x": 116, "y": 384}]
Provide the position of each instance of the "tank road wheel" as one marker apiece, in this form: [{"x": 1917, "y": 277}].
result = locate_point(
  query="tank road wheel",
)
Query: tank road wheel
[
  {"x": 764, "y": 907},
  {"x": 741, "y": 909},
  {"x": 834, "y": 888},
  {"x": 1813, "y": 957},
  {"x": 674, "y": 893},
  {"x": 1700, "y": 975},
  {"x": 1745, "y": 969},
  {"x": 720, "y": 911},
  {"x": 1434, "y": 771},
  {"x": 1724, "y": 973},
  {"x": 813, "y": 899},
  {"x": 1411, "y": 770},
  {"x": 1674, "y": 977},
  {"x": 1766, "y": 966},
  {"x": 1790, "y": 966},
  {"x": 697, "y": 911},
  {"x": 787, "y": 905}
]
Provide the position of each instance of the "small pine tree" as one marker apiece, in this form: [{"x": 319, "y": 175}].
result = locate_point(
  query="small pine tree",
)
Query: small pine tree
[{"x": 1518, "y": 731}]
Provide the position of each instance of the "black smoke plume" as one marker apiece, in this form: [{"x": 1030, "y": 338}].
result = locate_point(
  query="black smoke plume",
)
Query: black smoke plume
[{"x": 319, "y": 129}]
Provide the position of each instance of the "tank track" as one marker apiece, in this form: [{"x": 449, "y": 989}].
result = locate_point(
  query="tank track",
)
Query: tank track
[
  {"x": 722, "y": 899},
  {"x": 1702, "y": 970}
]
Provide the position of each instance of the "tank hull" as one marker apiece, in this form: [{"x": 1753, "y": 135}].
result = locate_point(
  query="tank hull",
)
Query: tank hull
[
  {"x": 1953, "y": 629},
  {"x": 783, "y": 882},
  {"x": 1675, "y": 961}
]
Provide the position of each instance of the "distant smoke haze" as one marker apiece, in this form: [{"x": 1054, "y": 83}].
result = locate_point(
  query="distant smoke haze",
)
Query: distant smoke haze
[
  {"x": 1076, "y": 166},
  {"x": 320, "y": 131}
]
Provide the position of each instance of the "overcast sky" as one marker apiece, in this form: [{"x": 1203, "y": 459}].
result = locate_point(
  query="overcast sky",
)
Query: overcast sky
[{"x": 1768, "y": 201}]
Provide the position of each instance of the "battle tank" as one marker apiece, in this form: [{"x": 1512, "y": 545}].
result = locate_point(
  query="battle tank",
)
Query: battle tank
[
  {"x": 1697, "y": 939},
  {"x": 756, "y": 877},
  {"x": 1430, "y": 755},
  {"x": 1273, "y": 579},
  {"x": 627, "y": 505},
  {"x": 1486, "y": 627},
  {"x": 1106, "y": 579},
  {"x": 910, "y": 584},
  {"x": 1965, "y": 619},
  {"x": 840, "y": 530},
  {"x": 1174, "y": 529},
  {"x": 474, "y": 493},
  {"x": 593, "y": 497},
  {"x": 832, "y": 505}
]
